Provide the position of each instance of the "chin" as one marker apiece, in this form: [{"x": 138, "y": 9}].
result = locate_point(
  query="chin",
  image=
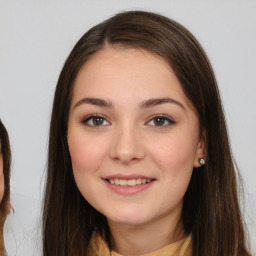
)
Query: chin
[
  {"x": 133, "y": 219},
  {"x": 128, "y": 222}
]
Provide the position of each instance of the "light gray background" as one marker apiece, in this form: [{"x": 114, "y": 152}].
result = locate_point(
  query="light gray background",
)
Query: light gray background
[{"x": 37, "y": 36}]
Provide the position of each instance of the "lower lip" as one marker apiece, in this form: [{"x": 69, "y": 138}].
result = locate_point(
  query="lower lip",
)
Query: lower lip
[{"x": 128, "y": 190}]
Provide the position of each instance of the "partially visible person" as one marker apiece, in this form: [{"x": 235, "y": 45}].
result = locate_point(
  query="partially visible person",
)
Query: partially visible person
[{"x": 5, "y": 160}]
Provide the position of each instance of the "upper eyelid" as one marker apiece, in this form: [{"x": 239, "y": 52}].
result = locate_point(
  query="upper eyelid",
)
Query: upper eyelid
[
  {"x": 94, "y": 115},
  {"x": 161, "y": 116}
]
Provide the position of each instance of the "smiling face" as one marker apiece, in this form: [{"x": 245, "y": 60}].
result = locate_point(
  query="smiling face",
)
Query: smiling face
[{"x": 133, "y": 136}]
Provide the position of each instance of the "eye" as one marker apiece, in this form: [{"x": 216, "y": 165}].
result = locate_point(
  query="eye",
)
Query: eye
[
  {"x": 160, "y": 121},
  {"x": 95, "y": 120}
]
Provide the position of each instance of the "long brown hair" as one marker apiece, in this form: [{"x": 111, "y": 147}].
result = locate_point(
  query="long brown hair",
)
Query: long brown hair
[
  {"x": 5, "y": 204},
  {"x": 211, "y": 208}
]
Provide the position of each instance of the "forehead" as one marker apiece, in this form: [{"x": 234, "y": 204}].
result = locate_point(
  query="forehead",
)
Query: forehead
[
  {"x": 121, "y": 58},
  {"x": 127, "y": 70},
  {"x": 119, "y": 64}
]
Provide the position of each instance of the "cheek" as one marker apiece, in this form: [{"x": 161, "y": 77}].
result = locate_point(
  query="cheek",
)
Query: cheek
[
  {"x": 86, "y": 154},
  {"x": 174, "y": 155}
]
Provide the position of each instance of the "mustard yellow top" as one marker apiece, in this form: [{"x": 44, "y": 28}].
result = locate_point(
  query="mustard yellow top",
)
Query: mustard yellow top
[{"x": 98, "y": 247}]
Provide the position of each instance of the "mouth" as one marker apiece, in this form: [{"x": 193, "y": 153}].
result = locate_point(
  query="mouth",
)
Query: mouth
[
  {"x": 129, "y": 182},
  {"x": 128, "y": 185}
]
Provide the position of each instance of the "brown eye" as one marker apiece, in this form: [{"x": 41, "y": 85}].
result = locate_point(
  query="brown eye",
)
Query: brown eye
[
  {"x": 95, "y": 121},
  {"x": 161, "y": 121}
]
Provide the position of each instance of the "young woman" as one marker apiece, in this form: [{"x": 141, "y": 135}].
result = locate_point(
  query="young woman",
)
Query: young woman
[
  {"x": 139, "y": 159},
  {"x": 5, "y": 159}
]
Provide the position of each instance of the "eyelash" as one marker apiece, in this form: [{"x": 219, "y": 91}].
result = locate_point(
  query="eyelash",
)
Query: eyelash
[
  {"x": 93, "y": 118},
  {"x": 164, "y": 118}
]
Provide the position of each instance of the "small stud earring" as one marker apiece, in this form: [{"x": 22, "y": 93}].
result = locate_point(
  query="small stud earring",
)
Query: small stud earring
[{"x": 202, "y": 161}]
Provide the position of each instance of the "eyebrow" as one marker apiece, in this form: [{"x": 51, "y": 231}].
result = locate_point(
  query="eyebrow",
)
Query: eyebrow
[
  {"x": 145, "y": 104},
  {"x": 94, "y": 101},
  {"x": 158, "y": 101}
]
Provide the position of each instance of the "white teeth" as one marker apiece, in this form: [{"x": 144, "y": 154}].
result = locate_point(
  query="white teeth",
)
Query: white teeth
[
  {"x": 123, "y": 182},
  {"x": 132, "y": 182}
]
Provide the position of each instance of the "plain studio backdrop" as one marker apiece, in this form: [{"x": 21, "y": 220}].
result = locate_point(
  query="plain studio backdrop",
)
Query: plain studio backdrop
[{"x": 37, "y": 36}]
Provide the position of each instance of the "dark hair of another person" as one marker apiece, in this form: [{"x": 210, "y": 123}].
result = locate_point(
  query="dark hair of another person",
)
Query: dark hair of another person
[
  {"x": 211, "y": 205},
  {"x": 5, "y": 151}
]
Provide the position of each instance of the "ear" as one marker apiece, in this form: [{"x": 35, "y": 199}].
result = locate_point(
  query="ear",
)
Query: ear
[{"x": 200, "y": 150}]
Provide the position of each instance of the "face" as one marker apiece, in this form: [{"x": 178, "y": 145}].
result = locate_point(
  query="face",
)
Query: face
[
  {"x": 133, "y": 136},
  {"x": 1, "y": 178}
]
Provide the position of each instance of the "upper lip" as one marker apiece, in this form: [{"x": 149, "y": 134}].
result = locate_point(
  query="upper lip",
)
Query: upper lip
[{"x": 127, "y": 177}]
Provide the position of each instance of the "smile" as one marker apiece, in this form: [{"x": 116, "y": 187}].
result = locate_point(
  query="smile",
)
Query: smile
[
  {"x": 128, "y": 185},
  {"x": 131, "y": 182}
]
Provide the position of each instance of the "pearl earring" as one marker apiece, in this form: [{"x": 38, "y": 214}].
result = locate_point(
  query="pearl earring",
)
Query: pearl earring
[{"x": 202, "y": 161}]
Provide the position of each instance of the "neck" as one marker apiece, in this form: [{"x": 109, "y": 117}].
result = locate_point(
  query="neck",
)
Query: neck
[{"x": 145, "y": 238}]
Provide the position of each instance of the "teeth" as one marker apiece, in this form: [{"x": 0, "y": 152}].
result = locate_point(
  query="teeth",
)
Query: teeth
[
  {"x": 132, "y": 182},
  {"x": 123, "y": 182}
]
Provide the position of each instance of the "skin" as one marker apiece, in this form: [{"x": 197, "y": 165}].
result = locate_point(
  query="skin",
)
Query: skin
[{"x": 129, "y": 141}]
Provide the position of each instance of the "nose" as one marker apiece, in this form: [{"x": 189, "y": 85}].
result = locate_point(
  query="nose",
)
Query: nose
[{"x": 127, "y": 146}]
